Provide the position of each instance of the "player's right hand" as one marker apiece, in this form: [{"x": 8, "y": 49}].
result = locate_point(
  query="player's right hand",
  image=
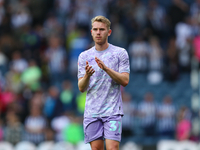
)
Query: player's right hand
[{"x": 88, "y": 69}]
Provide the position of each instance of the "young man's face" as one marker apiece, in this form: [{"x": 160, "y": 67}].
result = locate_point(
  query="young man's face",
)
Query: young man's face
[{"x": 100, "y": 32}]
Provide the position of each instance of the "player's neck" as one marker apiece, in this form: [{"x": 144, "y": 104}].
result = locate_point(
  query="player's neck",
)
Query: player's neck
[{"x": 102, "y": 47}]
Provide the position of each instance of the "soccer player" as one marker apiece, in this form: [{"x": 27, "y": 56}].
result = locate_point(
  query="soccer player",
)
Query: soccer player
[{"x": 101, "y": 71}]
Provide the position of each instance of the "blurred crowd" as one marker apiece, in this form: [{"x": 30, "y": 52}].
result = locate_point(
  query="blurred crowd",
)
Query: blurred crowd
[
  {"x": 157, "y": 120},
  {"x": 40, "y": 41}
]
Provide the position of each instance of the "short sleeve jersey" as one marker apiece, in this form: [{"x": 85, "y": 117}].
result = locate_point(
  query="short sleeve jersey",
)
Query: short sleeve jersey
[{"x": 103, "y": 93}]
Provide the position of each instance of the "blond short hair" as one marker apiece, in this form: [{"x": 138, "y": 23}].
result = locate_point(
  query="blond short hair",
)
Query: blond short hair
[{"x": 101, "y": 19}]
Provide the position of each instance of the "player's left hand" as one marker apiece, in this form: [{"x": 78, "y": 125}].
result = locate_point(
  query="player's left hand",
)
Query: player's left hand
[{"x": 100, "y": 63}]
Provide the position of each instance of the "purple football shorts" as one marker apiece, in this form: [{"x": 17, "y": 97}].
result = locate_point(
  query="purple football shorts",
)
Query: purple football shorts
[{"x": 103, "y": 128}]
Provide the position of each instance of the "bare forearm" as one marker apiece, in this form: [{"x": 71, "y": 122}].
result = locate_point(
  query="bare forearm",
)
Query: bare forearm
[
  {"x": 120, "y": 78},
  {"x": 83, "y": 83}
]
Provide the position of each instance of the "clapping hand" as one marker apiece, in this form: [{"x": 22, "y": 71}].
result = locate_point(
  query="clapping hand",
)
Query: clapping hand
[{"x": 88, "y": 69}]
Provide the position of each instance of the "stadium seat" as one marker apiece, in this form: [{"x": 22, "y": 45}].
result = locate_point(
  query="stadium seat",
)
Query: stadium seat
[
  {"x": 167, "y": 145},
  {"x": 187, "y": 145},
  {"x": 83, "y": 146},
  {"x": 4, "y": 145},
  {"x": 47, "y": 145},
  {"x": 25, "y": 145},
  {"x": 63, "y": 146},
  {"x": 130, "y": 146}
]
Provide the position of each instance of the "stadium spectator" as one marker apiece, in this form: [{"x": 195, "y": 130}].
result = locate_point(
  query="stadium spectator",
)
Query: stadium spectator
[
  {"x": 147, "y": 114},
  {"x": 128, "y": 119},
  {"x": 80, "y": 103},
  {"x": 7, "y": 98},
  {"x": 166, "y": 114},
  {"x": 139, "y": 53},
  {"x": 183, "y": 127},
  {"x": 73, "y": 132},
  {"x": 155, "y": 55},
  {"x": 14, "y": 129},
  {"x": 177, "y": 12},
  {"x": 56, "y": 58},
  {"x": 31, "y": 76},
  {"x": 156, "y": 19},
  {"x": 194, "y": 13},
  {"x": 36, "y": 98},
  {"x": 67, "y": 96},
  {"x": 78, "y": 44},
  {"x": 38, "y": 15},
  {"x": 184, "y": 36},
  {"x": 18, "y": 63},
  {"x": 119, "y": 36},
  {"x": 82, "y": 14},
  {"x": 35, "y": 125},
  {"x": 58, "y": 124},
  {"x": 155, "y": 66},
  {"x": 63, "y": 9},
  {"x": 52, "y": 104},
  {"x": 49, "y": 134},
  {"x": 21, "y": 17},
  {"x": 196, "y": 48},
  {"x": 52, "y": 26},
  {"x": 30, "y": 40},
  {"x": 139, "y": 13},
  {"x": 171, "y": 65}
]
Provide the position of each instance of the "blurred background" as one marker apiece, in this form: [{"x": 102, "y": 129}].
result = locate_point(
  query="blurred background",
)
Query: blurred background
[{"x": 40, "y": 40}]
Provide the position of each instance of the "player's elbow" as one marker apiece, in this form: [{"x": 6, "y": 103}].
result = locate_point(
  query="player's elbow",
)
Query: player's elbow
[
  {"x": 125, "y": 83},
  {"x": 81, "y": 90},
  {"x": 81, "y": 87},
  {"x": 125, "y": 80}
]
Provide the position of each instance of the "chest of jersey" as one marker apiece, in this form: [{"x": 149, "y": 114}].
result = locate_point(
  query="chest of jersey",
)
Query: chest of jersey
[{"x": 108, "y": 59}]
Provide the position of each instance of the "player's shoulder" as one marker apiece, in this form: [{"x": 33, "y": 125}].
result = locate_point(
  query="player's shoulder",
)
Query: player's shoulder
[
  {"x": 117, "y": 48},
  {"x": 87, "y": 52}
]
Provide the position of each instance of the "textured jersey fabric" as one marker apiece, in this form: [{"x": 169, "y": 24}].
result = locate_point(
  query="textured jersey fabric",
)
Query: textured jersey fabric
[{"x": 103, "y": 94}]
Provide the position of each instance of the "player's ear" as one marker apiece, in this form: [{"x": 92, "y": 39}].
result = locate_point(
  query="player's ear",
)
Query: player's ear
[{"x": 109, "y": 32}]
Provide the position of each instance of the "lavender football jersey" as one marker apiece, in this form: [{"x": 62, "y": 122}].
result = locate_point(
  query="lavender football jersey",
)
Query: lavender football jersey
[{"x": 103, "y": 93}]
